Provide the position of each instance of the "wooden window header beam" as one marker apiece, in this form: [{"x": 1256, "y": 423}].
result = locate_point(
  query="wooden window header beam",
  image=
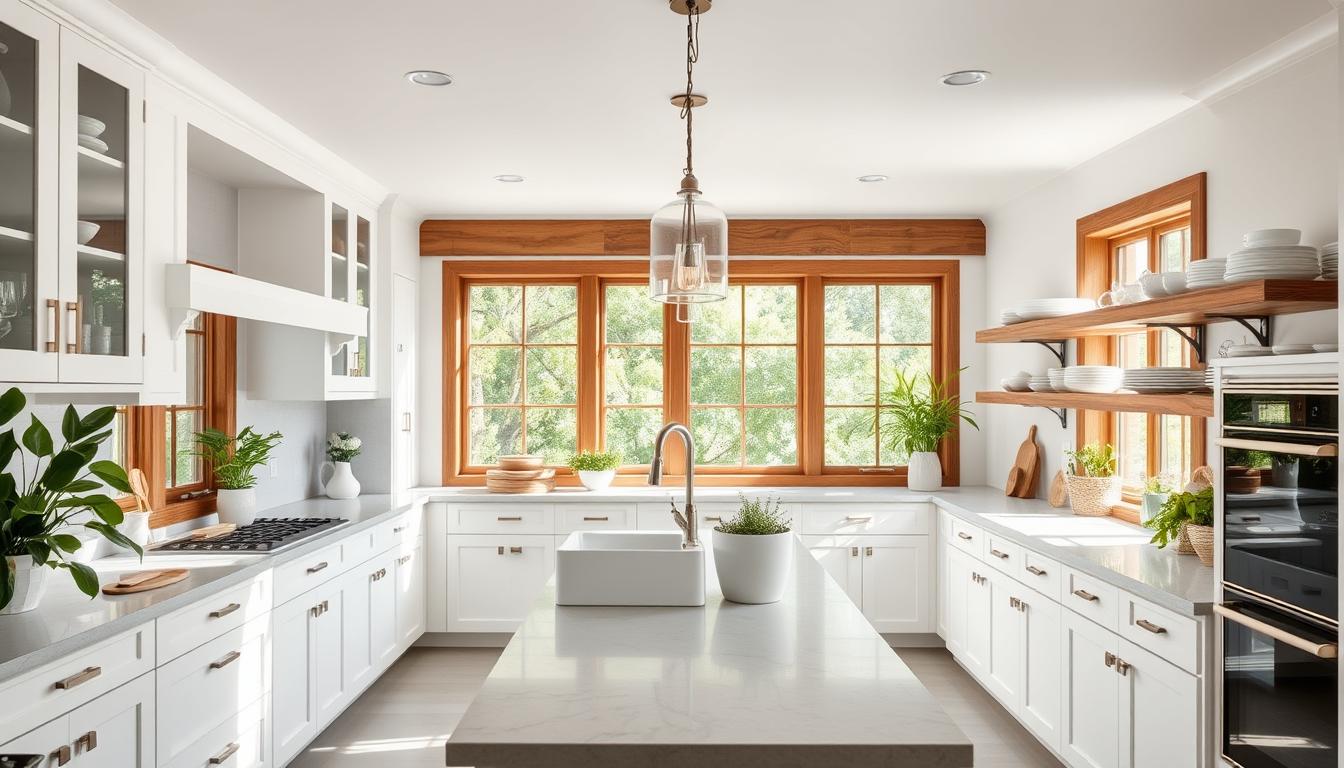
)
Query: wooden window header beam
[{"x": 746, "y": 237}]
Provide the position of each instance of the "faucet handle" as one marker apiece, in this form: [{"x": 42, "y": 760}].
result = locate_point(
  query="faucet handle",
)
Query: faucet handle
[{"x": 678, "y": 517}]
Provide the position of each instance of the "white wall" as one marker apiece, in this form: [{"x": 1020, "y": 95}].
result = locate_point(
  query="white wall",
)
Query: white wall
[
  {"x": 1271, "y": 154},
  {"x": 431, "y": 375}
]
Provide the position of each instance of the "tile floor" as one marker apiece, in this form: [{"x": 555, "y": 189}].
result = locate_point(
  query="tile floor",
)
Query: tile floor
[{"x": 403, "y": 720}]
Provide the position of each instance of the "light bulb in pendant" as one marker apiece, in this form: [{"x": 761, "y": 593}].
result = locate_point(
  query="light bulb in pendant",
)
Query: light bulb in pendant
[{"x": 689, "y": 273}]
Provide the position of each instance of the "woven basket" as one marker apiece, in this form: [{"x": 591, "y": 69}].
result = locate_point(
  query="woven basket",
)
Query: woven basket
[
  {"x": 1201, "y": 538},
  {"x": 1093, "y": 496},
  {"x": 1183, "y": 546}
]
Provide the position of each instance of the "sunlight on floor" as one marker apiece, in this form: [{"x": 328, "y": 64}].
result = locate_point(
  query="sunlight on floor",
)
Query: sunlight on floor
[{"x": 375, "y": 746}]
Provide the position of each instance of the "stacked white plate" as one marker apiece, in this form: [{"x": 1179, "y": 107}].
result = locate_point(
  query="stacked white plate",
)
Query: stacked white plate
[
  {"x": 1159, "y": 380},
  {"x": 1096, "y": 379},
  {"x": 1056, "y": 376},
  {"x": 1271, "y": 262},
  {"x": 1040, "y": 384},
  {"x": 1330, "y": 261},
  {"x": 1247, "y": 350},
  {"x": 1008, "y": 317},
  {"x": 1036, "y": 309},
  {"x": 1205, "y": 273},
  {"x": 89, "y": 129}
]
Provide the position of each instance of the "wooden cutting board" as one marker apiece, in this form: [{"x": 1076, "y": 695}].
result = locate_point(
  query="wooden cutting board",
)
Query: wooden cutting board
[
  {"x": 144, "y": 581},
  {"x": 1027, "y": 468},
  {"x": 1059, "y": 492}
]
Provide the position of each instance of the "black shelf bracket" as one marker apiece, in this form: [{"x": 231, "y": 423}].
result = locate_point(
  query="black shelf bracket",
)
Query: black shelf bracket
[
  {"x": 1057, "y": 348},
  {"x": 1198, "y": 341},
  {"x": 1062, "y": 413},
  {"x": 1263, "y": 330}
]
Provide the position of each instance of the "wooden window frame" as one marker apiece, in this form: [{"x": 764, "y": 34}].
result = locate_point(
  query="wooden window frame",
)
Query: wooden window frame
[
  {"x": 1152, "y": 212},
  {"x": 810, "y": 274},
  {"x": 601, "y": 368}
]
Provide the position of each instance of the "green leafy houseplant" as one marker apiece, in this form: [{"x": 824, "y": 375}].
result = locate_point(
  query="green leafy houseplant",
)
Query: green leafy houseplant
[
  {"x": 594, "y": 461},
  {"x": 756, "y": 518},
  {"x": 1187, "y": 507},
  {"x": 1093, "y": 460},
  {"x": 40, "y": 505},
  {"x": 1094, "y": 488},
  {"x": 234, "y": 458},
  {"x": 915, "y": 418}
]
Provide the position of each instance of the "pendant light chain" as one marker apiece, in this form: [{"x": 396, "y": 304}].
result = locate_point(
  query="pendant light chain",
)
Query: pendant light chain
[{"x": 688, "y": 233}]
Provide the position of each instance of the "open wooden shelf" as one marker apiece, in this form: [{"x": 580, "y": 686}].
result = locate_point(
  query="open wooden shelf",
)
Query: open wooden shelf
[
  {"x": 1260, "y": 298},
  {"x": 1175, "y": 405}
]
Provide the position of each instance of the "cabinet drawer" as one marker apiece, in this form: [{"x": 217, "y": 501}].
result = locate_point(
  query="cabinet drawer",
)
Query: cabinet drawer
[
  {"x": 85, "y": 675},
  {"x": 189, "y": 627},
  {"x": 1040, "y": 573},
  {"x": 1174, "y": 637},
  {"x": 1003, "y": 555},
  {"x": 207, "y": 686},
  {"x": 499, "y": 518},
  {"x": 298, "y": 576},
  {"x": 593, "y": 517},
  {"x": 358, "y": 547},
  {"x": 402, "y": 530},
  {"x": 826, "y": 519},
  {"x": 1091, "y": 597},
  {"x": 967, "y": 537},
  {"x": 239, "y": 742}
]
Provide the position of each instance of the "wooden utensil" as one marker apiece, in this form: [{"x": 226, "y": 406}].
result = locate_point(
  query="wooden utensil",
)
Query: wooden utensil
[
  {"x": 1014, "y": 478},
  {"x": 144, "y": 581},
  {"x": 139, "y": 489},
  {"x": 213, "y": 531},
  {"x": 1029, "y": 464},
  {"x": 1059, "y": 492}
]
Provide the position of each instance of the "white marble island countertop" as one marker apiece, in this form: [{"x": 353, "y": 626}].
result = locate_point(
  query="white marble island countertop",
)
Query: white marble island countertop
[{"x": 802, "y": 682}]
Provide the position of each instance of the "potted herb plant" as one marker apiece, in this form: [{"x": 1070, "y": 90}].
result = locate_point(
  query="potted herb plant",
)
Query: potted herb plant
[
  {"x": 1093, "y": 485},
  {"x": 342, "y": 447},
  {"x": 38, "y": 508},
  {"x": 914, "y": 416},
  {"x": 596, "y": 470},
  {"x": 1186, "y": 516},
  {"x": 753, "y": 553},
  {"x": 1156, "y": 489},
  {"x": 233, "y": 460}
]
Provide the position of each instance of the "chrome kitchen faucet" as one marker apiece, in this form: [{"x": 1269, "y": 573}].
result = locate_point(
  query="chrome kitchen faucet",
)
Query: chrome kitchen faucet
[{"x": 686, "y": 521}]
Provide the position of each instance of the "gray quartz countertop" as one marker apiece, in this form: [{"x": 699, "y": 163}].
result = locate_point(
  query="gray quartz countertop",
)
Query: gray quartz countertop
[
  {"x": 1109, "y": 549},
  {"x": 805, "y": 681},
  {"x": 67, "y": 620}
]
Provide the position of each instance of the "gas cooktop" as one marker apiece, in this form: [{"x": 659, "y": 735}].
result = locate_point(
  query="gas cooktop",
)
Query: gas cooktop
[{"x": 262, "y": 536}]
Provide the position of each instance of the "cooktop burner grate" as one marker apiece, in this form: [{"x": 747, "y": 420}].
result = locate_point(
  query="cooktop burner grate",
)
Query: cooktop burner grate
[{"x": 265, "y": 534}]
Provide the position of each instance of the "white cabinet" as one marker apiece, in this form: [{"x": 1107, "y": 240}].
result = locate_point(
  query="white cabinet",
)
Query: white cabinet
[
  {"x": 979, "y": 619},
  {"x": 955, "y": 590},
  {"x": 1160, "y": 714},
  {"x": 1038, "y": 702},
  {"x": 1090, "y": 737},
  {"x": 492, "y": 580},
  {"x": 369, "y": 616},
  {"x": 410, "y": 597},
  {"x": 888, "y": 577},
  {"x": 405, "y": 318},
  {"x": 1002, "y": 672},
  {"x": 115, "y": 730},
  {"x": 307, "y": 681}
]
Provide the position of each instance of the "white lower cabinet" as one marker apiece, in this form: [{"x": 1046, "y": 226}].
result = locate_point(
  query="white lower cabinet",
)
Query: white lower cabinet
[
  {"x": 839, "y": 557},
  {"x": 308, "y": 671},
  {"x": 240, "y": 742},
  {"x": 1091, "y": 690},
  {"x": 888, "y": 577},
  {"x": 1159, "y": 714},
  {"x": 1038, "y": 701},
  {"x": 369, "y": 616},
  {"x": 493, "y": 579},
  {"x": 115, "y": 730},
  {"x": 979, "y": 618},
  {"x": 1002, "y": 672},
  {"x": 410, "y": 599}
]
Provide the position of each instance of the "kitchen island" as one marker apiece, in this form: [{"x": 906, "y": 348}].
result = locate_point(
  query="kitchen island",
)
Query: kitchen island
[{"x": 806, "y": 681}]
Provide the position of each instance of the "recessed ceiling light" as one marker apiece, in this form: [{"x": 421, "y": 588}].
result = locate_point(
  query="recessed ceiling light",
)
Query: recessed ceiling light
[
  {"x": 509, "y": 178},
  {"x": 873, "y": 178},
  {"x": 966, "y": 77},
  {"x": 429, "y": 77}
]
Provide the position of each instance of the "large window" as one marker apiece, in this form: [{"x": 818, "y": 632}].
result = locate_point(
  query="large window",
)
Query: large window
[{"x": 782, "y": 381}]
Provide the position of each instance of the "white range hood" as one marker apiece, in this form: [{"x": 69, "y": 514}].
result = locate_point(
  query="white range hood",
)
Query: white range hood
[{"x": 191, "y": 289}]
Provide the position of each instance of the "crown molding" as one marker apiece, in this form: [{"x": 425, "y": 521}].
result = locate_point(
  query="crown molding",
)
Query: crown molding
[{"x": 1280, "y": 54}]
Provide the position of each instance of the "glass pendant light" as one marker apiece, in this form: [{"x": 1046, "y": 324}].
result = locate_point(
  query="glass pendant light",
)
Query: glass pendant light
[{"x": 688, "y": 237}]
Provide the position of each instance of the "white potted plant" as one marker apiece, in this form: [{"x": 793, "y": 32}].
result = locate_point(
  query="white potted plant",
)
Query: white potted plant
[
  {"x": 914, "y": 416},
  {"x": 233, "y": 460},
  {"x": 753, "y": 553},
  {"x": 342, "y": 447},
  {"x": 1094, "y": 488},
  {"x": 595, "y": 470},
  {"x": 39, "y": 507}
]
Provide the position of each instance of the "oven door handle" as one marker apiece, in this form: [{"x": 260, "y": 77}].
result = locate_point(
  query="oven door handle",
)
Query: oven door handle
[
  {"x": 1319, "y": 650},
  {"x": 1326, "y": 450}
]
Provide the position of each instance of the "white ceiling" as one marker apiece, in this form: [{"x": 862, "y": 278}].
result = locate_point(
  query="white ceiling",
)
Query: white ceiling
[{"x": 573, "y": 95}]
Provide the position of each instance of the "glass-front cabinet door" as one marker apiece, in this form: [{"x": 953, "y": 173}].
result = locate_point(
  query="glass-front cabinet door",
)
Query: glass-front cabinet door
[
  {"x": 101, "y": 147},
  {"x": 29, "y": 293},
  {"x": 350, "y": 264}
]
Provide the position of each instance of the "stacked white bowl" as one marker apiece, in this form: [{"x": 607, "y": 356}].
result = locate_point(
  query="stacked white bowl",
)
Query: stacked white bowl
[
  {"x": 89, "y": 129},
  {"x": 1036, "y": 309},
  {"x": 1205, "y": 273},
  {"x": 1041, "y": 383},
  {"x": 1017, "y": 382},
  {"x": 1160, "y": 380},
  {"x": 1095, "y": 379},
  {"x": 1008, "y": 317},
  {"x": 1273, "y": 254},
  {"x": 1056, "y": 377},
  {"x": 1330, "y": 261}
]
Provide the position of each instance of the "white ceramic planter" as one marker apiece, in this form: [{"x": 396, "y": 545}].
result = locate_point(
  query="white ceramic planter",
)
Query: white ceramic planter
[
  {"x": 753, "y": 569},
  {"x": 136, "y": 527},
  {"x": 594, "y": 480},
  {"x": 342, "y": 484},
  {"x": 1152, "y": 504},
  {"x": 925, "y": 471},
  {"x": 236, "y": 505},
  {"x": 30, "y": 583}
]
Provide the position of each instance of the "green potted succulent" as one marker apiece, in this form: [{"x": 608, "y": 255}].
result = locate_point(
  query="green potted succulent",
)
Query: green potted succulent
[
  {"x": 41, "y": 505},
  {"x": 233, "y": 460},
  {"x": 596, "y": 470},
  {"x": 1094, "y": 487},
  {"x": 753, "y": 552},
  {"x": 1186, "y": 517},
  {"x": 914, "y": 416},
  {"x": 1156, "y": 489}
]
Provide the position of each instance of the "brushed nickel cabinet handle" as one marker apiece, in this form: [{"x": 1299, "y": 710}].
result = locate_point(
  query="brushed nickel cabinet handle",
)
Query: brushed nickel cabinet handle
[
  {"x": 1110, "y": 659},
  {"x": 228, "y": 659},
  {"x": 1012, "y": 602},
  {"x": 224, "y": 754},
  {"x": 407, "y": 558},
  {"x": 859, "y": 518},
  {"x": 1232, "y": 613},
  {"x": 53, "y": 324},
  {"x": 1088, "y": 596},
  {"x": 998, "y": 554},
  {"x": 1150, "y": 626},
  {"x": 499, "y": 550},
  {"x": 225, "y": 611},
  {"x": 600, "y": 519},
  {"x": 406, "y": 421},
  {"x": 1121, "y": 666},
  {"x": 512, "y": 550},
  {"x": 867, "y": 551},
  {"x": 60, "y": 756},
  {"x": 853, "y": 551},
  {"x": 713, "y": 519},
  {"x": 1034, "y": 571},
  {"x": 509, "y": 519},
  {"x": 72, "y": 339},
  {"x": 315, "y": 568},
  {"x": 964, "y": 535},
  {"x": 87, "y": 743},
  {"x": 1022, "y": 606},
  {"x": 399, "y": 529},
  {"x": 79, "y": 678}
]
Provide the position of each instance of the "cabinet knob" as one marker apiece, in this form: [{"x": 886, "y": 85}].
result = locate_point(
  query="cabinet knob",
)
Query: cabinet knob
[
  {"x": 79, "y": 678},
  {"x": 87, "y": 743},
  {"x": 1122, "y": 666},
  {"x": 60, "y": 756},
  {"x": 225, "y": 611},
  {"x": 1110, "y": 659}
]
